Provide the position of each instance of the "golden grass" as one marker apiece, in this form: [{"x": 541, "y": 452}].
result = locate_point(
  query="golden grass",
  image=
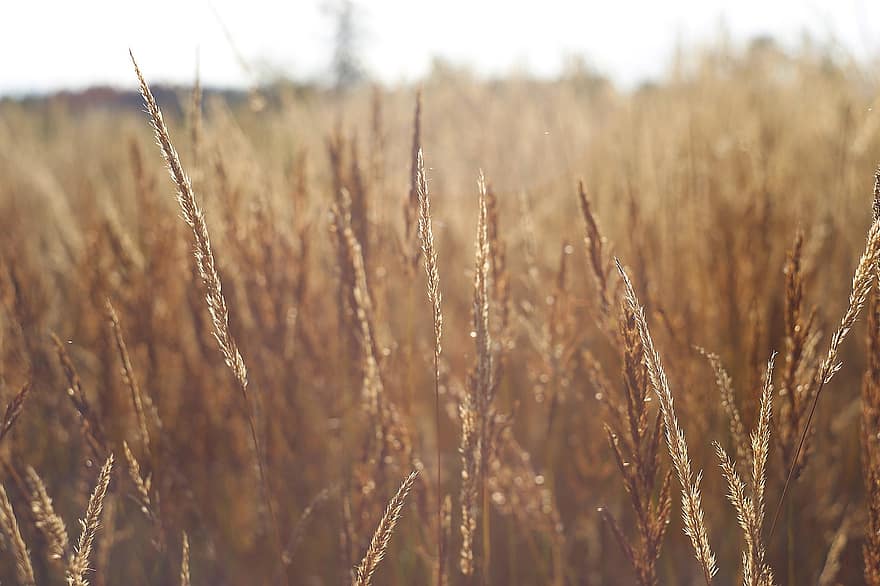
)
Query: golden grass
[
  {"x": 382, "y": 537},
  {"x": 676, "y": 443},
  {"x": 530, "y": 397},
  {"x": 78, "y": 565},
  {"x": 50, "y": 524},
  {"x": 9, "y": 522}
]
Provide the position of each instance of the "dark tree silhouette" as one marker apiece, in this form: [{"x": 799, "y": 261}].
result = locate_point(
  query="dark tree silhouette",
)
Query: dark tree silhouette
[{"x": 346, "y": 66}]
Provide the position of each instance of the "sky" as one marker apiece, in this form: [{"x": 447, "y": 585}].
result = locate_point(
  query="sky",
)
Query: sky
[{"x": 50, "y": 45}]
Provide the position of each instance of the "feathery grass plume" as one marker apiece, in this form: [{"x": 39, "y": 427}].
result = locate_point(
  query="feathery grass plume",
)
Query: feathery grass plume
[
  {"x": 500, "y": 283},
  {"x": 760, "y": 443},
  {"x": 476, "y": 406},
  {"x": 801, "y": 361},
  {"x": 390, "y": 435},
  {"x": 831, "y": 567},
  {"x": 50, "y": 524},
  {"x": 426, "y": 235},
  {"x": 745, "y": 516},
  {"x": 142, "y": 486},
  {"x": 352, "y": 263},
  {"x": 875, "y": 203},
  {"x": 204, "y": 255},
  {"x": 184, "y": 562},
  {"x": 728, "y": 403},
  {"x": 863, "y": 280},
  {"x": 691, "y": 506},
  {"x": 382, "y": 536},
  {"x": 411, "y": 204},
  {"x": 470, "y": 471},
  {"x": 346, "y": 176},
  {"x": 137, "y": 398},
  {"x": 372, "y": 388},
  {"x": 595, "y": 242},
  {"x": 79, "y": 562},
  {"x": 13, "y": 409},
  {"x": 207, "y": 268},
  {"x": 635, "y": 440},
  {"x": 92, "y": 428},
  {"x": 23, "y": 568},
  {"x": 485, "y": 368},
  {"x": 341, "y": 212},
  {"x": 750, "y": 507}
]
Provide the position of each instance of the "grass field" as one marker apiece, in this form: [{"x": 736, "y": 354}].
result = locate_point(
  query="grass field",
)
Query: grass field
[{"x": 385, "y": 336}]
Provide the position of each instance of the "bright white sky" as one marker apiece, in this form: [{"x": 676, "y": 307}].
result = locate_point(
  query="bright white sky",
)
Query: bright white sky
[{"x": 56, "y": 44}]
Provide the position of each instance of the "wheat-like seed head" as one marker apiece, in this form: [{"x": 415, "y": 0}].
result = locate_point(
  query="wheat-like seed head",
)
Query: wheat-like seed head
[
  {"x": 13, "y": 409},
  {"x": 482, "y": 333},
  {"x": 691, "y": 506},
  {"x": 184, "y": 562},
  {"x": 760, "y": 442},
  {"x": 79, "y": 562},
  {"x": 9, "y": 523},
  {"x": 875, "y": 205},
  {"x": 595, "y": 243},
  {"x": 475, "y": 405},
  {"x": 470, "y": 472},
  {"x": 832, "y": 566},
  {"x": 143, "y": 490},
  {"x": 745, "y": 511},
  {"x": 728, "y": 403},
  {"x": 204, "y": 255},
  {"x": 91, "y": 425},
  {"x": 426, "y": 234},
  {"x": 50, "y": 524},
  {"x": 382, "y": 536},
  {"x": 750, "y": 508},
  {"x": 429, "y": 252},
  {"x": 207, "y": 269},
  {"x": 137, "y": 398},
  {"x": 863, "y": 280},
  {"x": 372, "y": 387}
]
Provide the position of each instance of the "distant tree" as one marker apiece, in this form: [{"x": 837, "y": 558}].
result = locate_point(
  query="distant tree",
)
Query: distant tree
[
  {"x": 577, "y": 70},
  {"x": 346, "y": 65}
]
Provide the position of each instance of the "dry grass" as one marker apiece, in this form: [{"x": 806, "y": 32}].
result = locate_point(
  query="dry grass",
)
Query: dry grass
[
  {"x": 382, "y": 536},
  {"x": 46, "y": 519},
  {"x": 531, "y": 398},
  {"x": 429, "y": 252},
  {"x": 184, "y": 562},
  {"x": 9, "y": 522},
  {"x": 78, "y": 565},
  {"x": 676, "y": 443}
]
